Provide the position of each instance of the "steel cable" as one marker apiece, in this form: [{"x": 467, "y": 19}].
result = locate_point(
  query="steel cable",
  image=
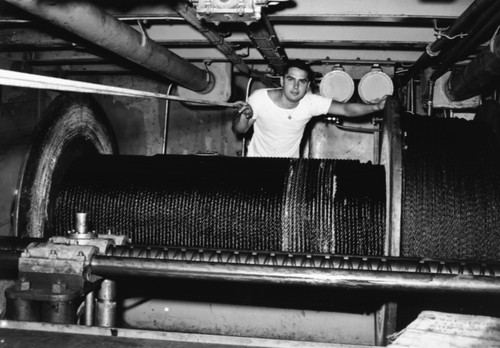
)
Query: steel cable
[
  {"x": 293, "y": 205},
  {"x": 451, "y": 190}
]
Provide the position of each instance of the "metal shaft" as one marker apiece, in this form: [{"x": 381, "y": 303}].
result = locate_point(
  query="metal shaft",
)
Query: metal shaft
[
  {"x": 349, "y": 279},
  {"x": 89, "y": 308}
]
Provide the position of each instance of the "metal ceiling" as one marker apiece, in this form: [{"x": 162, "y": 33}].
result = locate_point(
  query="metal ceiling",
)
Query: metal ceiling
[{"x": 319, "y": 30}]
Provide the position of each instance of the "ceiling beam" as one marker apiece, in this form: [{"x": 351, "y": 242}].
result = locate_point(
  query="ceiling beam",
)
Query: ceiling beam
[{"x": 266, "y": 41}]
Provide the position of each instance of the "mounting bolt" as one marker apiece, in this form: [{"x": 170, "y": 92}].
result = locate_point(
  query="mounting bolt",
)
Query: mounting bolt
[
  {"x": 80, "y": 256},
  {"x": 59, "y": 287},
  {"x": 52, "y": 254},
  {"x": 24, "y": 285},
  {"x": 87, "y": 274}
]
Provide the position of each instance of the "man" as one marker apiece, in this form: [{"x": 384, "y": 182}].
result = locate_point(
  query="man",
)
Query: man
[{"x": 279, "y": 115}]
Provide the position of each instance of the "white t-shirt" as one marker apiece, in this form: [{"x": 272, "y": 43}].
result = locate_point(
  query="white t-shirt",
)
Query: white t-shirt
[{"x": 278, "y": 131}]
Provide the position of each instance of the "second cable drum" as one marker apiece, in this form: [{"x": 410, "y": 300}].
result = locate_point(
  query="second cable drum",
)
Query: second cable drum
[{"x": 272, "y": 204}]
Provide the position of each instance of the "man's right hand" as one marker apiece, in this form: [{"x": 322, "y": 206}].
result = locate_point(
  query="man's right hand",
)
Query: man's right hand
[{"x": 244, "y": 109}]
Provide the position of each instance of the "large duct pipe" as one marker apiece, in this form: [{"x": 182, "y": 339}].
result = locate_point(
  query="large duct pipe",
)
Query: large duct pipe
[
  {"x": 481, "y": 74},
  {"x": 480, "y": 32},
  {"x": 470, "y": 15},
  {"x": 97, "y": 26}
]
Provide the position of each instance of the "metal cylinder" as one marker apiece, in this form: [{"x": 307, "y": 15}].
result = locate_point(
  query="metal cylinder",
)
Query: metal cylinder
[
  {"x": 106, "y": 304},
  {"x": 297, "y": 205},
  {"x": 430, "y": 99},
  {"x": 90, "y": 308},
  {"x": 23, "y": 310},
  {"x": 81, "y": 223},
  {"x": 55, "y": 312},
  {"x": 100, "y": 28},
  {"x": 347, "y": 279}
]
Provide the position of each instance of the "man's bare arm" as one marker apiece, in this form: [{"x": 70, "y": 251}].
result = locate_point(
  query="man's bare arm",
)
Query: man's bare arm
[{"x": 355, "y": 109}]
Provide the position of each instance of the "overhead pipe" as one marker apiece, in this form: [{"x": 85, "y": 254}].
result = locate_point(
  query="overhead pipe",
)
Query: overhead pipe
[
  {"x": 482, "y": 29},
  {"x": 478, "y": 76},
  {"x": 470, "y": 15},
  {"x": 102, "y": 29}
]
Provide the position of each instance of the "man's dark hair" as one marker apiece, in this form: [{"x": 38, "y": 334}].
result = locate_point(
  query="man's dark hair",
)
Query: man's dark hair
[{"x": 299, "y": 64}]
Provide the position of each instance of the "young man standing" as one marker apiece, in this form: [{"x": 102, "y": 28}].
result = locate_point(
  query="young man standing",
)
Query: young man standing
[{"x": 280, "y": 115}]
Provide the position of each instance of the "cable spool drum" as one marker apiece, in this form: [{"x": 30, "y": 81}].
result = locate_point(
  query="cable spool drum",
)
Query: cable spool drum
[
  {"x": 72, "y": 126},
  {"x": 451, "y": 191},
  {"x": 337, "y": 85},
  {"x": 443, "y": 186},
  {"x": 216, "y": 202},
  {"x": 375, "y": 85}
]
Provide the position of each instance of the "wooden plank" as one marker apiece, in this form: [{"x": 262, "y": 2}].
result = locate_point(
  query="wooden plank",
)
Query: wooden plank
[{"x": 438, "y": 329}]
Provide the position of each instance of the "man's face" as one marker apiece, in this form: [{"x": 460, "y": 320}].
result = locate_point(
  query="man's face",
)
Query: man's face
[{"x": 295, "y": 84}]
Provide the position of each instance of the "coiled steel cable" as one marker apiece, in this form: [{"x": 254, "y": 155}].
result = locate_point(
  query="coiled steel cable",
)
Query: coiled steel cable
[
  {"x": 296, "y": 205},
  {"x": 451, "y": 190}
]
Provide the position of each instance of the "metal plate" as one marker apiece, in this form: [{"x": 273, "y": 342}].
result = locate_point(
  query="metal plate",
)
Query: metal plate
[
  {"x": 375, "y": 85},
  {"x": 337, "y": 85}
]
